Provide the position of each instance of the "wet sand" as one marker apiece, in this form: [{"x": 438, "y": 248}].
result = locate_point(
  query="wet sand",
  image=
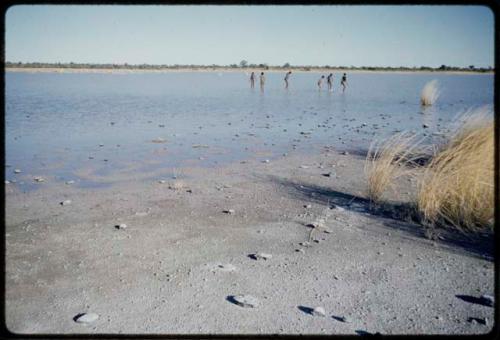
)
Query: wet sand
[{"x": 169, "y": 270}]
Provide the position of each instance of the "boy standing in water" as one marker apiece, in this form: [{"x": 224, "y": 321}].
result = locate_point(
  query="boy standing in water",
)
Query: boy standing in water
[
  {"x": 286, "y": 79},
  {"x": 343, "y": 82},
  {"x": 252, "y": 80},
  {"x": 320, "y": 82},
  {"x": 329, "y": 80},
  {"x": 262, "y": 81}
]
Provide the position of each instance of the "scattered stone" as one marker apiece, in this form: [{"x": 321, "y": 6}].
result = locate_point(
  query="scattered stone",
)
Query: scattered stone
[
  {"x": 260, "y": 256},
  {"x": 121, "y": 226},
  {"x": 162, "y": 181},
  {"x": 345, "y": 153},
  {"x": 482, "y": 321},
  {"x": 425, "y": 126},
  {"x": 70, "y": 182},
  {"x": 304, "y": 167},
  {"x": 307, "y": 206},
  {"x": 246, "y": 301},
  {"x": 318, "y": 311},
  {"x": 17, "y": 171},
  {"x": 300, "y": 250},
  {"x": 305, "y": 244},
  {"x": 342, "y": 319},
  {"x": 86, "y": 317},
  {"x": 327, "y": 231},
  {"x": 101, "y": 145},
  {"x": 229, "y": 211},
  {"x": 265, "y": 161},
  {"x": 226, "y": 267},
  {"x": 66, "y": 202},
  {"x": 176, "y": 185},
  {"x": 488, "y": 300},
  {"x": 159, "y": 140},
  {"x": 39, "y": 179},
  {"x": 329, "y": 174}
]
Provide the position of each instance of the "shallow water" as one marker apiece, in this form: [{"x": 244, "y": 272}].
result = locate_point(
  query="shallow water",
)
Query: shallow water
[{"x": 56, "y": 122}]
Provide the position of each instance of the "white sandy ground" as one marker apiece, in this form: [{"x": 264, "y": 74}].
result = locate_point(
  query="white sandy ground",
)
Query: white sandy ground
[
  {"x": 224, "y": 70},
  {"x": 161, "y": 274}
]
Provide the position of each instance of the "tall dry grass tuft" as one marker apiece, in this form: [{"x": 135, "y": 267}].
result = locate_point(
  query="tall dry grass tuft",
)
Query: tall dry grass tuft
[
  {"x": 430, "y": 93},
  {"x": 387, "y": 161},
  {"x": 457, "y": 186}
]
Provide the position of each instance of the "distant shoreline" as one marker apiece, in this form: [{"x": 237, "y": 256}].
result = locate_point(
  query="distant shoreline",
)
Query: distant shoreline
[{"x": 224, "y": 69}]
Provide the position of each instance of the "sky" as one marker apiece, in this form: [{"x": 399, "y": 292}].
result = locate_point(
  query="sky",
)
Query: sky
[{"x": 204, "y": 35}]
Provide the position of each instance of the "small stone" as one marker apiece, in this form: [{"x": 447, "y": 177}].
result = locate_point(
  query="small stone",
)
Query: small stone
[
  {"x": 304, "y": 244},
  {"x": 345, "y": 153},
  {"x": 300, "y": 250},
  {"x": 229, "y": 211},
  {"x": 488, "y": 300},
  {"x": 308, "y": 206},
  {"x": 17, "y": 171},
  {"x": 121, "y": 226},
  {"x": 327, "y": 231},
  {"x": 226, "y": 267},
  {"x": 246, "y": 301},
  {"x": 261, "y": 256},
  {"x": 425, "y": 126},
  {"x": 304, "y": 167},
  {"x": 70, "y": 182},
  {"x": 162, "y": 181},
  {"x": 318, "y": 311},
  {"x": 7, "y": 182},
  {"x": 265, "y": 161},
  {"x": 86, "y": 318},
  {"x": 329, "y": 174},
  {"x": 66, "y": 202}
]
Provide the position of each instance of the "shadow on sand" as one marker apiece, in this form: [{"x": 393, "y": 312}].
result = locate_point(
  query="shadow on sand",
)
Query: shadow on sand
[{"x": 396, "y": 216}]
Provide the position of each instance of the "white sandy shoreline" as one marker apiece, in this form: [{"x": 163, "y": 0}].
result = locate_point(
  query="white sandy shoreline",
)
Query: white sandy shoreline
[
  {"x": 226, "y": 70},
  {"x": 181, "y": 256}
]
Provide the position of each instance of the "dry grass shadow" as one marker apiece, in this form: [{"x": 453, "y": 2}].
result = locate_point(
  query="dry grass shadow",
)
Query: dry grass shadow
[{"x": 402, "y": 217}]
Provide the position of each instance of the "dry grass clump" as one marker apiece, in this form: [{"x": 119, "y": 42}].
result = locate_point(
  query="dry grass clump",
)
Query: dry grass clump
[
  {"x": 388, "y": 161},
  {"x": 430, "y": 93},
  {"x": 457, "y": 186}
]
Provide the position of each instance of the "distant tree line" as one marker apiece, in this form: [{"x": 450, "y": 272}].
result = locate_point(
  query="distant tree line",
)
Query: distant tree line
[{"x": 242, "y": 65}]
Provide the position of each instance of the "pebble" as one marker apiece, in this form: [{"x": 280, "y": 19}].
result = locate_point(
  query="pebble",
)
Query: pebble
[
  {"x": 17, "y": 171},
  {"x": 66, "y": 202},
  {"x": 121, "y": 226},
  {"x": 39, "y": 179},
  {"x": 488, "y": 300},
  {"x": 300, "y": 250},
  {"x": 86, "y": 318},
  {"x": 226, "y": 267},
  {"x": 7, "y": 182},
  {"x": 162, "y": 181},
  {"x": 229, "y": 211},
  {"x": 304, "y": 244},
  {"x": 425, "y": 126},
  {"x": 318, "y": 311},
  {"x": 261, "y": 256},
  {"x": 308, "y": 206},
  {"x": 70, "y": 182},
  {"x": 265, "y": 161},
  {"x": 246, "y": 301},
  {"x": 345, "y": 153}
]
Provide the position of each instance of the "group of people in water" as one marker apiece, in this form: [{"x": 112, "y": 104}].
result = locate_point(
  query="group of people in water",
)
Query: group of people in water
[{"x": 329, "y": 81}]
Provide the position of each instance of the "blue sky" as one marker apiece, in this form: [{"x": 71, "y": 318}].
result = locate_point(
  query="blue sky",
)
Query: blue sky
[{"x": 300, "y": 35}]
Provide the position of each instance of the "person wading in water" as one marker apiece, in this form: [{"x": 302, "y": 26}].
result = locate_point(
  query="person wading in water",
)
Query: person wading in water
[
  {"x": 329, "y": 80},
  {"x": 320, "y": 82},
  {"x": 343, "y": 82},
  {"x": 286, "y": 78},
  {"x": 252, "y": 80}
]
